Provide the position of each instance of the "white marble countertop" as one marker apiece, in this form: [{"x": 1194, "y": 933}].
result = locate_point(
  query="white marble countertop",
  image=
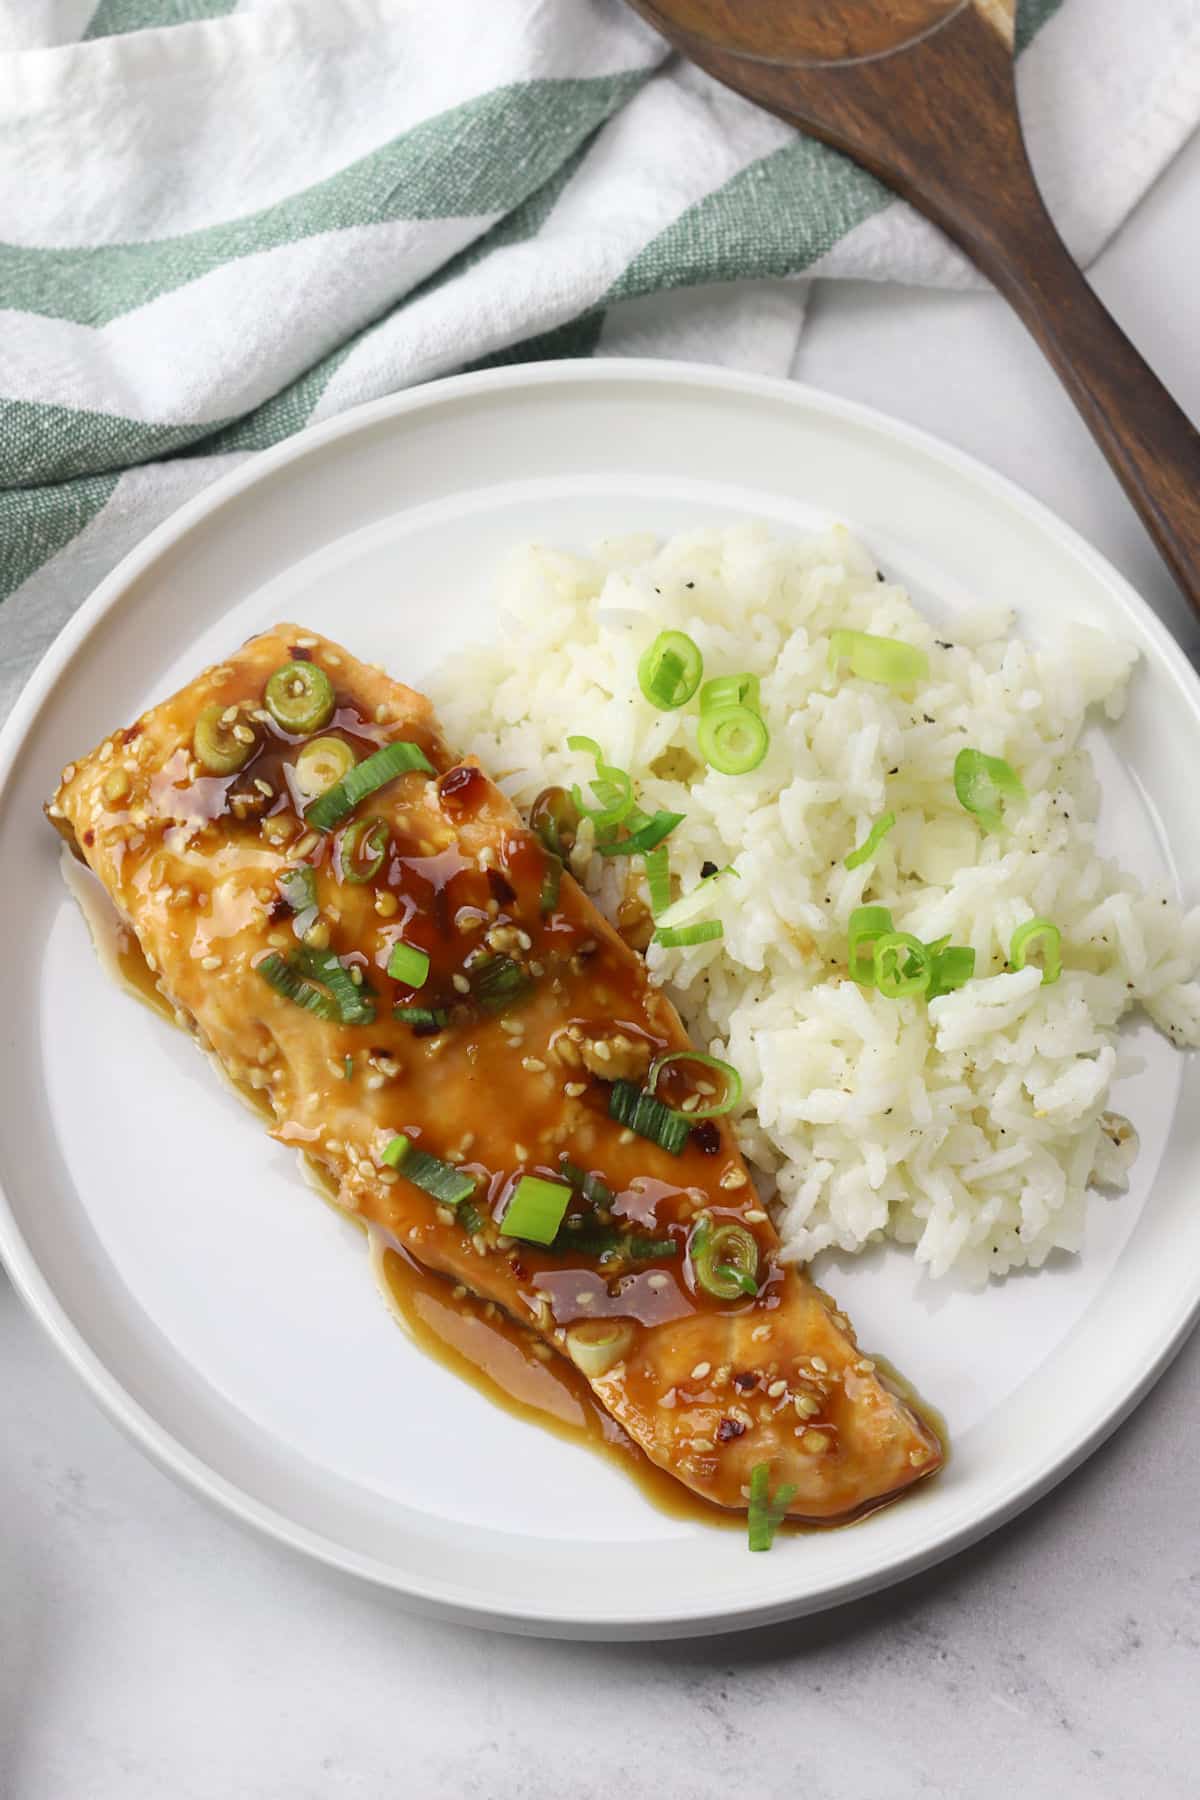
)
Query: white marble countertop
[{"x": 150, "y": 1649}]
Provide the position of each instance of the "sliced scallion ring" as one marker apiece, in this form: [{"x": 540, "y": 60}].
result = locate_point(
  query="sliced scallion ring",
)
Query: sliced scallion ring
[
  {"x": 409, "y": 965},
  {"x": 679, "y": 937},
  {"x": 535, "y": 1210},
  {"x": 646, "y": 837},
  {"x": 952, "y": 968},
  {"x": 902, "y": 965},
  {"x": 670, "y": 669},
  {"x": 424, "y": 1020},
  {"x": 442, "y": 1181},
  {"x": 724, "y": 1260},
  {"x": 300, "y": 697},
  {"x": 648, "y": 1117},
  {"x": 1024, "y": 939},
  {"x": 363, "y": 846},
  {"x": 730, "y": 690},
  {"x": 731, "y": 1081},
  {"x": 214, "y": 745},
  {"x": 321, "y": 764},
  {"x": 986, "y": 786},
  {"x": 366, "y": 777},
  {"x": 732, "y": 739},
  {"x": 871, "y": 842},
  {"x": 317, "y": 981},
  {"x": 882, "y": 659},
  {"x": 867, "y": 923}
]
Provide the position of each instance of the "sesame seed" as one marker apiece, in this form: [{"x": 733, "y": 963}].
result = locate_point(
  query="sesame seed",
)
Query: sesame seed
[
  {"x": 376, "y": 1081},
  {"x": 68, "y": 773},
  {"x": 761, "y": 1333},
  {"x": 733, "y": 1178},
  {"x": 388, "y": 1175},
  {"x": 585, "y": 1299},
  {"x": 307, "y": 643},
  {"x": 703, "y": 1444},
  {"x": 658, "y": 1281},
  {"x": 756, "y": 1216},
  {"x": 625, "y": 1136},
  {"x": 524, "y": 940},
  {"x": 776, "y": 1390},
  {"x": 229, "y": 715},
  {"x": 386, "y": 905},
  {"x": 701, "y": 1370},
  {"x": 820, "y": 1365},
  {"x": 573, "y": 1089},
  {"x": 210, "y": 962},
  {"x": 264, "y": 787},
  {"x": 479, "y": 1244},
  {"x": 445, "y": 1215},
  {"x": 521, "y": 1153},
  {"x": 690, "y": 1104},
  {"x": 805, "y": 1405},
  {"x": 533, "y": 1064},
  {"x": 460, "y": 984},
  {"x": 814, "y": 1442},
  {"x": 383, "y": 713}
]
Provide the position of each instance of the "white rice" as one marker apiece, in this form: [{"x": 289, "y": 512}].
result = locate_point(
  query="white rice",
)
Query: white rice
[{"x": 970, "y": 1126}]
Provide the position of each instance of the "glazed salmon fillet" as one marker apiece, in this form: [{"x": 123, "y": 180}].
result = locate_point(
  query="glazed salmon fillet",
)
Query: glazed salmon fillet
[{"x": 361, "y": 929}]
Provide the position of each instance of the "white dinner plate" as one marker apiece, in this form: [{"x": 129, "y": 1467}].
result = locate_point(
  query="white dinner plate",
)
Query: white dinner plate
[{"x": 229, "y": 1322}]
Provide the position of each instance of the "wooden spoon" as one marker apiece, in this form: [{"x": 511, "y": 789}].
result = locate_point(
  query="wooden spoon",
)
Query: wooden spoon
[{"x": 921, "y": 92}]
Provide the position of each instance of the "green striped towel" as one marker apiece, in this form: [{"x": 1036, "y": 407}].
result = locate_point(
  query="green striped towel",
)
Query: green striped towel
[{"x": 221, "y": 221}]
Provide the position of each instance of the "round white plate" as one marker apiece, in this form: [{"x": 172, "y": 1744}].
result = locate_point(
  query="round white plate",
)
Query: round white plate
[{"x": 229, "y": 1322}]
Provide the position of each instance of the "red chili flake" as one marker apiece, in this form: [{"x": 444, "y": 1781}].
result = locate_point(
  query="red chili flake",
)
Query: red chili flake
[
  {"x": 706, "y": 1137},
  {"x": 298, "y": 653},
  {"x": 89, "y": 837},
  {"x": 130, "y": 732},
  {"x": 745, "y": 1381},
  {"x": 729, "y": 1428},
  {"x": 279, "y": 910}
]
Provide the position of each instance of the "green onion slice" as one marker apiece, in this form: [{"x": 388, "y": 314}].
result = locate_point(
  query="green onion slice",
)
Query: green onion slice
[
  {"x": 554, "y": 818},
  {"x": 374, "y": 772},
  {"x": 535, "y": 1210},
  {"x": 690, "y": 906},
  {"x": 551, "y": 883},
  {"x": 730, "y": 1078},
  {"x": 902, "y": 965},
  {"x": 499, "y": 982},
  {"x": 422, "y": 1018},
  {"x": 363, "y": 846},
  {"x": 871, "y": 842},
  {"x": 214, "y": 745},
  {"x": 883, "y": 659},
  {"x": 409, "y": 965},
  {"x": 316, "y": 980},
  {"x": 321, "y": 764},
  {"x": 300, "y": 697},
  {"x": 1026, "y": 936},
  {"x": 658, "y": 879},
  {"x": 670, "y": 669},
  {"x": 730, "y": 690},
  {"x": 440, "y": 1180},
  {"x": 298, "y": 887},
  {"x": 595, "y": 1191},
  {"x": 765, "y": 1513},
  {"x": 985, "y": 786},
  {"x": 469, "y": 1217},
  {"x": 648, "y": 1117},
  {"x": 725, "y": 1260},
  {"x": 678, "y": 937},
  {"x": 732, "y": 739},
  {"x": 952, "y": 968},
  {"x": 646, "y": 837},
  {"x": 612, "y": 786},
  {"x": 867, "y": 923}
]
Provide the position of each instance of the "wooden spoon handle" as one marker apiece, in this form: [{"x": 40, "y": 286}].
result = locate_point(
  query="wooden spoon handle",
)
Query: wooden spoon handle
[
  {"x": 1151, "y": 444},
  {"x": 938, "y": 122}
]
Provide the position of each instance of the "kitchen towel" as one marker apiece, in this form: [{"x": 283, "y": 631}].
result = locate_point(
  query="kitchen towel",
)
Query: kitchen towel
[{"x": 223, "y": 221}]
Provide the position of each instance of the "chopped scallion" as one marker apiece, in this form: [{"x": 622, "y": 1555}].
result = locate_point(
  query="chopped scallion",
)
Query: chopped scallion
[
  {"x": 499, "y": 982},
  {"x": 1026, "y": 936},
  {"x": 670, "y": 670},
  {"x": 316, "y": 980},
  {"x": 551, "y": 883},
  {"x": 646, "y": 837},
  {"x": 658, "y": 879},
  {"x": 986, "y": 786},
  {"x": 685, "y": 910},
  {"x": 366, "y": 777},
  {"x": 362, "y": 848},
  {"x": 678, "y": 937},
  {"x": 866, "y": 924},
  {"x": 535, "y": 1210},
  {"x": 882, "y": 659},
  {"x": 730, "y": 690},
  {"x": 424, "y": 1019},
  {"x": 732, "y": 739},
  {"x": 724, "y": 1260},
  {"x": 440, "y": 1180},
  {"x": 871, "y": 842},
  {"x": 409, "y": 965},
  {"x": 730, "y": 1079},
  {"x": 648, "y": 1117},
  {"x": 902, "y": 965},
  {"x": 952, "y": 968},
  {"x": 766, "y": 1513},
  {"x": 613, "y": 787}
]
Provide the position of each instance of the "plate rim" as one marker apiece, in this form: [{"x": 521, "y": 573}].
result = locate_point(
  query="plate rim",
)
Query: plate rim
[{"x": 154, "y": 1437}]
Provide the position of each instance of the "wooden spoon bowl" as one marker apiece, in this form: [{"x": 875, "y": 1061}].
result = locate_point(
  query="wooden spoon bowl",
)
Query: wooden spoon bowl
[{"x": 921, "y": 92}]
